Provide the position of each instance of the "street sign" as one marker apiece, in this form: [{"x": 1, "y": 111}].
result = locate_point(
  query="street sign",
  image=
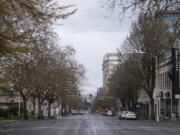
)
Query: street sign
[{"x": 177, "y": 96}]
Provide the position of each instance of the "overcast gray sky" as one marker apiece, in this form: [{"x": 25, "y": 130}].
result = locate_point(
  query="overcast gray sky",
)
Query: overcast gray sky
[{"x": 92, "y": 31}]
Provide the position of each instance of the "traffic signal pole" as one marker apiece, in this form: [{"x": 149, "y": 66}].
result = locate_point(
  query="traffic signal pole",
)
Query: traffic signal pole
[{"x": 175, "y": 81}]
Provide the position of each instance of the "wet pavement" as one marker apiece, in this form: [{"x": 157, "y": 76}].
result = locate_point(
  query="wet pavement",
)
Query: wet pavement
[{"x": 89, "y": 124}]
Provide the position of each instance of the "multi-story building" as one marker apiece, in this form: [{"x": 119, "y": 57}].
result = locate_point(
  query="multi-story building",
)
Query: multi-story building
[
  {"x": 110, "y": 61},
  {"x": 172, "y": 19}
]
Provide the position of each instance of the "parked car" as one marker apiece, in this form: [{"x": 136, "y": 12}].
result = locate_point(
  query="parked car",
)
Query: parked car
[
  {"x": 74, "y": 112},
  {"x": 81, "y": 112},
  {"x": 110, "y": 113},
  {"x": 127, "y": 115},
  {"x": 104, "y": 113},
  {"x": 77, "y": 112}
]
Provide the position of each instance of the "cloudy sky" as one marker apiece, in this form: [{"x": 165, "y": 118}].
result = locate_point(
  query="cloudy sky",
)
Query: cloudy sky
[{"x": 92, "y": 31}]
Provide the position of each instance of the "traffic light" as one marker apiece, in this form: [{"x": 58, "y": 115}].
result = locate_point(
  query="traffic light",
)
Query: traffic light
[{"x": 167, "y": 94}]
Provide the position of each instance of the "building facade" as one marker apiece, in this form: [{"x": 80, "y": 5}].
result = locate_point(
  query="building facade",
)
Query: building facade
[
  {"x": 6, "y": 101},
  {"x": 110, "y": 61},
  {"x": 167, "y": 82}
]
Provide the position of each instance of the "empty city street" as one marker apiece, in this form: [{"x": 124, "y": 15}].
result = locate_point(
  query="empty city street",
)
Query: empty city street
[{"x": 89, "y": 124}]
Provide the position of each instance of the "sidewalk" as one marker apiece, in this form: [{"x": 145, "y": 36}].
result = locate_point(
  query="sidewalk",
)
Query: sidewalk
[
  {"x": 166, "y": 122},
  {"x": 2, "y": 122}
]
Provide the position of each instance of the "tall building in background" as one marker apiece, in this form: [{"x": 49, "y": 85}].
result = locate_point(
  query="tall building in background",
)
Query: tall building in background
[{"x": 110, "y": 61}]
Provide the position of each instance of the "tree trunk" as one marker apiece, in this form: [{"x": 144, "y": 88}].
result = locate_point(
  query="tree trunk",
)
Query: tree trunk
[
  {"x": 49, "y": 110},
  {"x": 152, "y": 115},
  {"x": 39, "y": 108},
  {"x": 25, "y": 116},
  {"x": 34, "y": 104}
]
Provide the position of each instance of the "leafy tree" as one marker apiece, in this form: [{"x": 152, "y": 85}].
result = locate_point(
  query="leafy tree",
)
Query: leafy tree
[
  {"x": 53, "y": 74},
  {"x": 22, "y": 21},
  {"x": 26, "y": 30},
  {"x": 39, "y": 69},
  {"x": 148, "y": 35}
]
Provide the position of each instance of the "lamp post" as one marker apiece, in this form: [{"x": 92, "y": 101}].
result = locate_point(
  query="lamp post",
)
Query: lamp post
[{"x": 157, "y": 96}]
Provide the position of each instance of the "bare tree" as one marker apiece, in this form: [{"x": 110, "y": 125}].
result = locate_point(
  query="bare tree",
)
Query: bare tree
[
  {"x": 124, "y": 83},
  {"x": 26, "y": 29},
  {"x": 20, "y": 78},
  {"x": 150, "y": 36},
  {"x": 139, "y": 5},
  {"x": 71, "y": 74},
  {"x": 40, "y": 69}
]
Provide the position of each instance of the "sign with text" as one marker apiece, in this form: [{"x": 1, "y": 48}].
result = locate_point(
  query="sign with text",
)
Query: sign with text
[
  {"x": 177, "y": 96},
  {"x": 175, "y": 70}
]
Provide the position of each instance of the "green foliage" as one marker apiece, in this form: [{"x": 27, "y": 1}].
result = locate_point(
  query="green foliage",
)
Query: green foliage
[
  {"x": 9, "y": 112},
  {"x": 22, "y": 22},
  {"x": 39, "y": 68},
  {"x": 4, "y": 113},
  {"x": 13, "y": 109},
  {"x": 148, "y": 35}
]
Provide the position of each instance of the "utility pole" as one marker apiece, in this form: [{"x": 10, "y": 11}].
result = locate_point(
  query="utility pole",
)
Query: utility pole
[{"x": 158, "y": 109}]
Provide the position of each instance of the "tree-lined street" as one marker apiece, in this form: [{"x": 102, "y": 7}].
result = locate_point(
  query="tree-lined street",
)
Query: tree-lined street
[
  {"x": 43, "y": 82},
  {"x": 89, "y": 124}
]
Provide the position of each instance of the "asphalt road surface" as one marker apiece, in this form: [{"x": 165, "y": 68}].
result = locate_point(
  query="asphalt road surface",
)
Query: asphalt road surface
[{"x": 89, "y": 124}]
